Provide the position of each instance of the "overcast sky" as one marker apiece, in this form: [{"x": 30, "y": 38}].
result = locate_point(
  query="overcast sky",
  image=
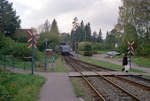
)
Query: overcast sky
[{"x": 100, "y": 13}]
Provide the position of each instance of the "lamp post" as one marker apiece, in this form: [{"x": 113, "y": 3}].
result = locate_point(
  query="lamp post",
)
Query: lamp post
[{"x": 45, "y": 64}]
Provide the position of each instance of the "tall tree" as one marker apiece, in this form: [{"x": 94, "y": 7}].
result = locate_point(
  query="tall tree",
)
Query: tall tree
[
  {"x": 9, "y": 22},
  {"x": 94, "y": 38},
  {"x": 110, "y": 40},
  {"x": 87, "y": 32},
  {"x": 100, "y": 39},
  {"x": 54, "y": 27},
  {"x": 134, "y": 23}
]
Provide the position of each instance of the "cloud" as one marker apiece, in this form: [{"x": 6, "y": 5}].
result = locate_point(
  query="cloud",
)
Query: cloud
[{"x": 100, "y": 13}]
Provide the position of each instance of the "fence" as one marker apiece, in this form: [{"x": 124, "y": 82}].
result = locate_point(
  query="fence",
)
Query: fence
[{"x": 21, "y": 62}]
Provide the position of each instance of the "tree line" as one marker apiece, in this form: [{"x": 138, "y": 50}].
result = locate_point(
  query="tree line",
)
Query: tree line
[{"x": 82, "y": 32}]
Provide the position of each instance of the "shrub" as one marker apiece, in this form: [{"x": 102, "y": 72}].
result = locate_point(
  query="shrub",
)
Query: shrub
[
  {"x": 21, "y": 50},
  {"x": 6, "y": 46},
  {"x": 85, "y": 48}
]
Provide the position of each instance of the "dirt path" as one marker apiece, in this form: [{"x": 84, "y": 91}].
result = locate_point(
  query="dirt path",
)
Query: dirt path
[{"x": 118, "y": 62}]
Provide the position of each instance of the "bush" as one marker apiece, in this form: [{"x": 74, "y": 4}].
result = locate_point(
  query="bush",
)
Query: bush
[
  {"x": 6, "y": 46},
  {"x": 85, "y": 48},
  {"x": 145, "y": 51},
  {"x": 17, "y": 49},
  {"x": 21, "y": 50}
]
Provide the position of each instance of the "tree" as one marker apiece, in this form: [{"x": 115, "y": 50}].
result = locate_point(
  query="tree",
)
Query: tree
[
  {"x": 94, "y": 37},
  {"x": 99, "y": 39},
  {"x": 134, "y": 24},
  {"x": 110, "y": 40},
  {"x": 54, "y": 27},
  {"x": 9, "y": 22},
  {"x": 87, "y": 32}
]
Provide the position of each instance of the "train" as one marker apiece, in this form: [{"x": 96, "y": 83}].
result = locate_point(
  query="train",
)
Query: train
[{"x": 64, "y": 49}]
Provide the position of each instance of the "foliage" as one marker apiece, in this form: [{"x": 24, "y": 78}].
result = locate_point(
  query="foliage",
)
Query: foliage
[
  {"x": 53, "y": 40},
  {"x": 65, "y": 37},
  {"x": 54, "y": 28},
  {"x": 12, "y": 85},
  {"x": 9, "y": 47},
  {"x": 81, "y": 32},
  {"x": 110, "y": 41},
  {"x": 6, "y": 45},
  {"x": 9, "y": 22},
  {"x": 133, "y": 25},
  {"x": 85, "y": 48}
]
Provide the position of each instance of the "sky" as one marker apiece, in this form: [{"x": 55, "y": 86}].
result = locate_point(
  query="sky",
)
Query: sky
[{"x": 100, "y": 13}]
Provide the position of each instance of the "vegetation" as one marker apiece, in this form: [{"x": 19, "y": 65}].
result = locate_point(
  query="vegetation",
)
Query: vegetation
[
  {"x": 17, "y": 49},
  {"x": 133, "y": 25},
  {"x": 59, "y": 66},
  {"x": 82, "y": 33},
  {"x": 9, "y": 22},
  {"x": 106, "y": 64},
  {"x": 78, "y": 92},
  {"x": 19, "y": 87},
  {"x": 85, "y": 48}
]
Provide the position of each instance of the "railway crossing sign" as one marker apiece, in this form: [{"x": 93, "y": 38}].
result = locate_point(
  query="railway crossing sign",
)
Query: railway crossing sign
[
  {"x": 32, "y": 40},
  {"x": 130, "y": 48},
  {"x": 130, "y": 51},
  {"x": 32, "y": 37}
]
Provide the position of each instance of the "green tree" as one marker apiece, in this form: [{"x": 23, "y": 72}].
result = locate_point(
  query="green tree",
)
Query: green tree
[
  {"x": 99, "y": 38},
  {"x": 87, "y": 32},
  {"x": 133, "y": 24},
  {"x": 110, "y": 40},
  {"x": 53, "y": 40},
  {"x": 94, "y": 38},
  {"x": 9, "y": 22},
  {"x": 54, "y": 27}
]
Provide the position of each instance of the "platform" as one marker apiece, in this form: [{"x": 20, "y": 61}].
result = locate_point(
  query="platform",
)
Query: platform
[{"x": 118, "y": 73}]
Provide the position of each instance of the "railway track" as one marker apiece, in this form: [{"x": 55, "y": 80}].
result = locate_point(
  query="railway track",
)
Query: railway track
[{"x": 116, "y": 82}]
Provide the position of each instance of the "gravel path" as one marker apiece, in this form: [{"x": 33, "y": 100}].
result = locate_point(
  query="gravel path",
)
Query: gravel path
[{"x": 101, "y": 57}]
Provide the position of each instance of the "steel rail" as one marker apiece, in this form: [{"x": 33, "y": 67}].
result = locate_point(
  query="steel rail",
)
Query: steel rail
[
  {"x": 111, "y": 82},
  {"x": 96, "y": 92}
]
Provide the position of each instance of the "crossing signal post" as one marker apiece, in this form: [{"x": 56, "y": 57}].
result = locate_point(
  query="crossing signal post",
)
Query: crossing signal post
[
  {"x": 32, "y": 40},
  {"x": 130, "y": 51}
]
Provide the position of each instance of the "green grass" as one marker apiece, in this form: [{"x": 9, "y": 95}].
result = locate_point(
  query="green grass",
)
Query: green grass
[
  {"x": 106, "y": 64},
  {"x": 19, "y": 87},
  {"x": 78, "y": 92},
  {"x": 59, "y": 67},
  {"x": 102, "y": 52},
  {"x": 141, "y": 61}
]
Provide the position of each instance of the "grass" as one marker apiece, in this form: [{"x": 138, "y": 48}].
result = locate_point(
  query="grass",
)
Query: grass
[
  {"x": 78, "y": 92},
  {"x": 59, "y": 66},
  {"x": 106, "y": 64},
  {"x": 102, "y": 52},
  {"x": 141, "y": 61},
  {"x": 19, "y": 87}
]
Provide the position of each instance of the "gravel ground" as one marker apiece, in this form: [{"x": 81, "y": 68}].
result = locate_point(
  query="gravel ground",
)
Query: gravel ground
[
  {"x": 109, "y": 92},
  {"x": 85, "y": 89},
  {"x": 143, "y": 95},
  {"x": 81, "y": 85},
  {"x": 147, "y": 83}
]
